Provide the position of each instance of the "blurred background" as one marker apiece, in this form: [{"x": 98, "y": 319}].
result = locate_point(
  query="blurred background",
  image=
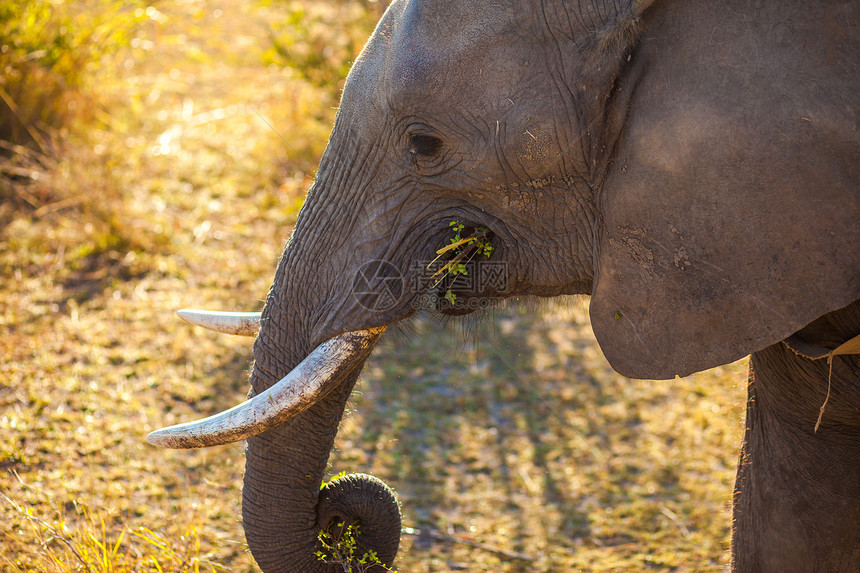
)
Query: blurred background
[{"x": 153, "y": 156}]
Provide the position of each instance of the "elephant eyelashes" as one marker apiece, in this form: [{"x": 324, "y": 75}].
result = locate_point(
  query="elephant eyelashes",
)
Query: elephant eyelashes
[{"x": 424, "y": 146}]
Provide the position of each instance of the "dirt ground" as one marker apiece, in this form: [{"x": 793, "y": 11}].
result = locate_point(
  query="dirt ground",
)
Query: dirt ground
[{"x": 511, "y": 443}]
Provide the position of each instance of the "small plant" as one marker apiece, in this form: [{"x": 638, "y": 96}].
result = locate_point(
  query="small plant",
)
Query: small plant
[
  {"x": 334, "y": 478},
  {"x": 343, "y": 549},
  {"x": 464, "y": 249}
]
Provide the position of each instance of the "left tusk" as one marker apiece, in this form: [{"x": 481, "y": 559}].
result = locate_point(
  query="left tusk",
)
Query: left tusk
[
  {"x": 241, "y": 323},
  {"x": 305, "y": 384}
]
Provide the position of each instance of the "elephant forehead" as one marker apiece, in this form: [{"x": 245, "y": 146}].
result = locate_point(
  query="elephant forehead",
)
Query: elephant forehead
[
  {"x": 424, "y": 49},
  {"x": 448, "y": 26}
]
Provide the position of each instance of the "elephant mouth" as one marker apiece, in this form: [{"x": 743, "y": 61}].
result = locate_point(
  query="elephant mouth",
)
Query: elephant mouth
[{"x": 466, "y": 277}]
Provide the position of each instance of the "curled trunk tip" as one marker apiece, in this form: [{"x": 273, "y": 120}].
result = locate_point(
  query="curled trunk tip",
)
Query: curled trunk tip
[{"x": 364, "y": 506}]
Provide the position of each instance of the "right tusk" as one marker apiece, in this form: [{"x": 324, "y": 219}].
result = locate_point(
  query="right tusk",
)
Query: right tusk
[
  {"x": 294, "y": 393},
  {"x": 241, "y": 323}
]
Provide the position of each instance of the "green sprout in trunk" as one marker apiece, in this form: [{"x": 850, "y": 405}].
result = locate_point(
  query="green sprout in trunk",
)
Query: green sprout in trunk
[{"x": 343, "y": 549}]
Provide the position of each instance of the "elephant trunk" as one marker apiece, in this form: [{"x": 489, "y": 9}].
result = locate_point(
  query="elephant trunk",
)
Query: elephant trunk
[
  {"x": 283, "y": 471},
  {"x": 308, "y": 304},
  {"x": 284, "y": 509}
]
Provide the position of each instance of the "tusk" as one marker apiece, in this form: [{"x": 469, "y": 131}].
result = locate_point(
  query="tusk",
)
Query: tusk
[
  {"x": 241, "y": 323},
  {"x": 294, "y": 393}
]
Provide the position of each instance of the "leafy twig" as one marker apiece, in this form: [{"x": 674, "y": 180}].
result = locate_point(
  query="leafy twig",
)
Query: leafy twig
[{"x": 464, "y": 249}]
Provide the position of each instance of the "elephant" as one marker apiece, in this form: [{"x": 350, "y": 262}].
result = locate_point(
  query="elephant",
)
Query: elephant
[{"x": 693, "y": 167}]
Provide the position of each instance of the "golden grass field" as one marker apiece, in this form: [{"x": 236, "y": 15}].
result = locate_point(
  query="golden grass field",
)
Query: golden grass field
[{"x": 511, "y": 443}]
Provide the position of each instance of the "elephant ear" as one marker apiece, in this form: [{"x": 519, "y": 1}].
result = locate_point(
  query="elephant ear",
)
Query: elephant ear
[{"x": 730, "y": 218}]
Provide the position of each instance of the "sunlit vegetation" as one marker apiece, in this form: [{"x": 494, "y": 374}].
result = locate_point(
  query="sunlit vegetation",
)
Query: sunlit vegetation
[
  {"x": 73, "y": 539},
  {"x": 154, "y": 156},
  {"x": 303, "y": 40},
  {"x": 50, "y": 52}
]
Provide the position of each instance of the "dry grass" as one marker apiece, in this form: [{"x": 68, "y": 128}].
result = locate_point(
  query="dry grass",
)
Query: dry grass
[
  {"x": 179, "y": 193},
  {"x": 84, "y": 542}
]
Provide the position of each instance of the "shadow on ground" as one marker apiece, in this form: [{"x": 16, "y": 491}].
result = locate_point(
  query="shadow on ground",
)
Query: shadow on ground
[{"x": 516, "y": 433}]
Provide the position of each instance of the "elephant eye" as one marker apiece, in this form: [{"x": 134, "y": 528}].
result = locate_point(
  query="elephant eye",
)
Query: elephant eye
[{"x": 423, "y": 146}]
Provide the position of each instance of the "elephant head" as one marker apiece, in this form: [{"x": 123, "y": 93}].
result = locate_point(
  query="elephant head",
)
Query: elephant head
[{"x": 682, "y": 163}]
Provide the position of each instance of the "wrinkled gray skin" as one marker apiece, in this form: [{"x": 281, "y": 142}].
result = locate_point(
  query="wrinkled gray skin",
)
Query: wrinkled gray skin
[{"x": 693, "y": 165}]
